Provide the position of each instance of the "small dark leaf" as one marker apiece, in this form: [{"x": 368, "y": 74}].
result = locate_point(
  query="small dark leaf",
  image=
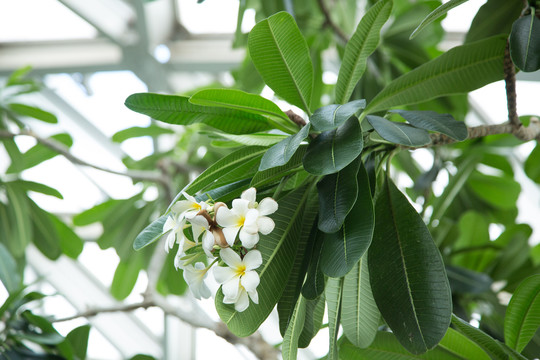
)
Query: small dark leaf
[
  {"x": 314, "y": 284},
  {"x": 525, "y": 43},
  {"x": 332, "y": 150},
  {"x": 151, "y": 233},
  {"x": 430, "y": 120},
  {"x": 399, "y": 133},
  {"x": 330, "y": 117},
  {"x": 283, "y": 151}
]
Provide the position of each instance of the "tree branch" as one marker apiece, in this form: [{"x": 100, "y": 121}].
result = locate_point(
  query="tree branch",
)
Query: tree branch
[
  {"x": 329, "y": 22},
  {"x": 255, "y": 343},
  {"x": 61, "y": 149},
  {"x": 510, "y": 81}
]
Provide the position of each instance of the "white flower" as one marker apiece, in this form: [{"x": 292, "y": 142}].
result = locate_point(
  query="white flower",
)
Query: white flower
[
  {"x": 239, "y": 219},
  {"x": 183, "y": 246},
  {"x": 201, "y": 225},
  {"x": 188, "y": 208},
  {"x": 194, "y": 276},
  {"x": 239, "y": 279},
  {"x": 248, "y": 217},
  {"x": 174, "y": 225}
]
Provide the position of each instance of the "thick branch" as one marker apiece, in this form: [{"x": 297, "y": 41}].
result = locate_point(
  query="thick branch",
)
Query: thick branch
[
  {"x": 510, "y": 81},
  {"x": 329, "y": 22},
  {"x": 255, "y": 343},
  {"x": 64, "y": 151}
]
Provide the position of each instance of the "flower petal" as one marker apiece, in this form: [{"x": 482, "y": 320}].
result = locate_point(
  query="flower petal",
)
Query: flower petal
[
  {"x": 249, "y": 195},
  {"x": 254, "y": 295},
  {"x": 230, "y": 234},
  {"x": 231, "y": 258},
  {"x": 170, "y": 224},
  {"x": 250, "y": 280},
  {"x": 169, "y": 241},
  {"x": 242, "y": 302},
  {"x": 223, "y": 274},
  {"x": 265, "y": 225},
  {"x": 181, "y": 206},
  {"x": 199, "y": 220},
  {"x": 248, "y": 240},
  {"x": 253, "y": 260},
  {"x": 208, "y": 243},
  {"x": 178, "y": 263},
  {"x": 240, "y": 206},
  {"x": 267, "y": 206},
  {"x": 225, "y": 217},
  {"x": 230, "y": 287},
  {"x": 197, "y": 231}
]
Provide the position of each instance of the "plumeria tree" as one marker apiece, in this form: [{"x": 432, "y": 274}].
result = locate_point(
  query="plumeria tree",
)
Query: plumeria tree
[{"x": 301, "y": 206}]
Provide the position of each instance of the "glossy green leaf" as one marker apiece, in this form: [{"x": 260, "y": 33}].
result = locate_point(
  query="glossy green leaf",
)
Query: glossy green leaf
[
  {"x": 465, "y": 281},
  {"x": 289, "y": 348},
  {"x": 525, "y": 42},
  {"x": 138, "y": 131},
  {"x": 459, "y": 70},
  {"x": 33, "y": 112},
  {"x": 333, "y": 150},
  {"x": 330, "y": 117},
  {"x": 9, "y": 276},
  {"x": 491, "y": 346},
  {"x": 257, "y": 139},
  {"x": 177, "y": 110},
  {"x": 244, "y": 171},
  {"x": 314, "y": 284},
  {"x": 240, "y": 100},
  {"x": 276, "y": 174},
  {"x": 462, "y": 347},
  {"x": 407, "y": 274},
  {"x": 532, "y": 165},
  {"x": 362, "y": 315},
  {"x": 361, "y": 45},
  {"x": 399, "y": 133},
  {"x": 125, "y": 276},
  {"x": 278, "y": 251},
  {"x": 284, "y": 150},
  {"x": 488, "y": 188},
  {"x": 334, "y": 294},
  {"x": 437, "y": 13},
  {"x": 38, "y": 187},
  {"x": 39, "y": 153},
  {"x": 494, "y": 17},
  {"x": 313, "y": 320},
  {"x": 342, "y": 250},
  {"x": 78, "y": 339},
  {"x": 281, "y": 55},
  {"x": 430, "y": 120},
  {"x": 523, "y": 314},
  {"x": 151, "y": 233},
  {"x": 337, "y": 196}
]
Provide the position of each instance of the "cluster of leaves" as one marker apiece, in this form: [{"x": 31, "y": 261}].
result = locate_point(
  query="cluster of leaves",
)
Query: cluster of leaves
[{"x": 345, "y": 235}]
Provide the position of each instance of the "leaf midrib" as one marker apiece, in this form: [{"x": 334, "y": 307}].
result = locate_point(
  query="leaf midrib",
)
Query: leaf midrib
[
  {"x": 523, "y": 319},
  {"x": 393, "y": 215},
  {"x": 242, "y": 107}
]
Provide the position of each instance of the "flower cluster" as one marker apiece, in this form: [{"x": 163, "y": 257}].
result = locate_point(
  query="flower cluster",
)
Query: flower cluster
[{"x": 222, "y": 236}]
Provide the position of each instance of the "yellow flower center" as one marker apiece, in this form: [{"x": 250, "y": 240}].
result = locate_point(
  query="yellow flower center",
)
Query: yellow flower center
[
  {"x": 241, "y": 270},
  {"x": 241, "y": 221}
]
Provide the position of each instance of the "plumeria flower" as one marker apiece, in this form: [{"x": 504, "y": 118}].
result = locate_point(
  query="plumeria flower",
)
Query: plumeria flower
[
  {"x": 239, "y": 219},
  {"x": 183, "y": 246},
  {"x": 189, "y": 208},
  {"x": 239, "y": 279},
  {"x": 175, "y": 226},
  {"x": 204, "y": 225},
  {"x": 194, "y": 276}
]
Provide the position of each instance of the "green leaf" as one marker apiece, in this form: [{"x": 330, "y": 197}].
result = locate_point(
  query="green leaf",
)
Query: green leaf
[
  {"x": 459, "y": 70},
  {"x": 38, "y": 187},
  {"x": 333, "y": 150},
  {"x": 362, "y": 44},
  {"x": 240, "y": 100},
  {"x": 281, "y": 55},
  {"x": 525, "y": 42},
  {"x": 407, "y": 274},
  {"x": 314, "y": 284},
  {"x": 278, "y": 250},
  {"x": 362, "y": 320},
  {"x": 430, "y": 120},
  {"x": 178, "y": 110},
  {"x": 437, "y": 13},
  {"x": 125, "y": 276},
  {"x": 170, "y": 279},
  {"x": 284, "y": 150},
  {"x": 257, "y": 139},
  {"x": 337, "y": 196},
  {"x": 333, "y": 292},
  {"x": 151, "y": 233},
  {"x": 33, "y": 112},
  {"x": 522, "y": 318},
  {"x": 276, "y": 174},
  {"x": 45, "y": 236},
  {"x": 18, "y": 220},
  {"x": 39, "y": 153},
  {"x": 9, "y": 275},
  {"x": 493, "y": 18},
  {"x": 465, "y": 281},
  {"x": 70, "y": 243},
  {"x": 532, "y": 165},
  {"x": 330, "y": 117},
  {"x": 18, "y": 75},
  {"x": 399, "y": 133},
  {"x": 78, "y": 338},
  {"x": 471, "y": 251},
  {"x": 137, "y": 131},
  {"x": 488, "y": 188},
  {"x": 342, "y": 250},
  {"x": 289, "y": 348},
  {"x": 313, "y": 320},
  {"x": 491, "y": 346},
  {"x": 459, "y": 345}
]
